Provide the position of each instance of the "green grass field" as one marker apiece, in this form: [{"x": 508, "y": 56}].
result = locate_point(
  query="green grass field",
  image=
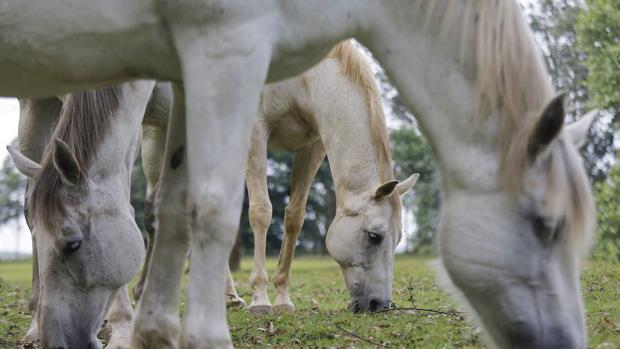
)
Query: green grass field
[{"x": 320, "y": 320}]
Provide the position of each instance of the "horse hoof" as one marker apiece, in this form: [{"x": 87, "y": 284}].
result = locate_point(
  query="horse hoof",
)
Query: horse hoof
[
  {"x": 260, "y": 308},
  {"x": 236, "y": 303},
  {"x": 283, "y": 308}
]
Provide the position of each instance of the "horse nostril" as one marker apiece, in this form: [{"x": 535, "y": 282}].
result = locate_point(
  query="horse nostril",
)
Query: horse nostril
[{"x": 374, "y": 305}]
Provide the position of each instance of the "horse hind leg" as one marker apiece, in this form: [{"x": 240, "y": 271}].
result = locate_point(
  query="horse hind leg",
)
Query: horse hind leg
[
  {"x": 233, "y": 301},
  {"x": 149, "y": 226},
  {"x": 305, "y": 166},
  {"x": 259, "y": 213}
]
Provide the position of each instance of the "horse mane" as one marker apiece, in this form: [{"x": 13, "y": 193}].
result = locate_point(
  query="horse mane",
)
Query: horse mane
[
  {"x": 512, "y": 84},
  {"x": 83, "y": 123},
  {"x": 510, "y": 78},
  {"x": 357, "y": 68}
]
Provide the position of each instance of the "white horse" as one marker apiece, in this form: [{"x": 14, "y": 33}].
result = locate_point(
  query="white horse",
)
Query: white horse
[
  {"x": 517, "y": 209},
  {"x": 334, "y": 108},
  {"x": 81, "y": 189}
]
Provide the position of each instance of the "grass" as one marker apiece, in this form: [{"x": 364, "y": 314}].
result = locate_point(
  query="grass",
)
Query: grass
[{"x": 320, "y": 321}]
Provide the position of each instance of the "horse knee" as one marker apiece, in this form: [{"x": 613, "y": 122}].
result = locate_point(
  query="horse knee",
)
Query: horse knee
[
  {"x": 260, "y": 214},
  {"x": 214, "y": 218}
]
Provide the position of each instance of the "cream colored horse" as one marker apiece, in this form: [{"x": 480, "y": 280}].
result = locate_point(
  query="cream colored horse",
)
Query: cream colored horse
[
  {"x": 517, "y": 209},
  {"x": 334, "y": 108}
]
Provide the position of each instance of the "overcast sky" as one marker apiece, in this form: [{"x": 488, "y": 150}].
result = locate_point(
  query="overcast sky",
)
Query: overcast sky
[{"x": 13, "y": 237}]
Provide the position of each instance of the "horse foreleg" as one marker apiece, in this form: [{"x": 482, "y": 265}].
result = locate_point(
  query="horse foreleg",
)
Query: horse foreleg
[
  {"x": 305, "y": 165},
  {"x": 156, "y": 324},
  {"x": 119, "y": 319},
  {"x": 32, "y": 334},
  {"x": 259, "y": 213},
  {"x": 222, "y": 89}
]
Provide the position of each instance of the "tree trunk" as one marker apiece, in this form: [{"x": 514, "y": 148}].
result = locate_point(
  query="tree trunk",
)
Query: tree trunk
[
  {"x": 330, "y": 212},
  {"x": 234, "y": 262}
]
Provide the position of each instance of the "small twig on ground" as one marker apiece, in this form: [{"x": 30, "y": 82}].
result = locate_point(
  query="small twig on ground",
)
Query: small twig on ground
[
  {"x": 358, "y": 336},
  {"x": 451, "y": 312}
]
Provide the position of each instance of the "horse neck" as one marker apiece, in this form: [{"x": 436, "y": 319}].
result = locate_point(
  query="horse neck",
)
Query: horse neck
[
  {"x": 341, "y": 112},
  {"x": 116, "y": 154},
  {"x": 439, "y": 87}
]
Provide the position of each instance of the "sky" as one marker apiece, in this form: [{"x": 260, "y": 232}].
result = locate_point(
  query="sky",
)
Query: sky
[{"x": 13, "y": 237}]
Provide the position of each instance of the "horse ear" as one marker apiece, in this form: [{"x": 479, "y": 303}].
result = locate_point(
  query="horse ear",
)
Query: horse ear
[
  {"x": 548, "y": 126},
  {"x": 385, "y": 189},
  {"x": 578, "y": 130},
  {"x": 66, "y": 163},
  {"x": 24, "y": 165},
  {"x": 406, "y": 185}
]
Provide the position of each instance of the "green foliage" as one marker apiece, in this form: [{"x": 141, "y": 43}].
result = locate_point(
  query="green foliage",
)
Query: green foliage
[
  {"x": 554, "y": 22},
  {"x": 599, "y": 36},
  {"x": 412, "y": 154},
  {"x": 12, "y": 188},
  {"x": 318, "y": 291},
  {"x": 607, "y": 245}
]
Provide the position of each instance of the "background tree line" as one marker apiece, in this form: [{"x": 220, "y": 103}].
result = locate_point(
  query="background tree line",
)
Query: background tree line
[{"x": 581, "y": 45}]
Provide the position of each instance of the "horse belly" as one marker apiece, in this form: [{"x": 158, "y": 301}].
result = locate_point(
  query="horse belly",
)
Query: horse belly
[{"x": 56, "y": 46}]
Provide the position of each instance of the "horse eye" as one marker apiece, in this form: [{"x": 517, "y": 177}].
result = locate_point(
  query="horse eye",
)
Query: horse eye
[
  {"x": 375, "y": 238},
  {"x": 545, "y": 229},
  {"x": 71, "y": 247}
]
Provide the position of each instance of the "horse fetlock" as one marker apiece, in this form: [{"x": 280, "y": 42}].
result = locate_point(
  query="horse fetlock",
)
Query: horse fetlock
[
  {"x": 283, "y": 303},
  {"x": 32, "y": 335},
  {"x": 260, "y": 300},
  {"x": 206, "y": 335},
  {"x": 233, "y": 301},
  {"x": 154, "y": 331},
  {"x": 259, "y": 279}
]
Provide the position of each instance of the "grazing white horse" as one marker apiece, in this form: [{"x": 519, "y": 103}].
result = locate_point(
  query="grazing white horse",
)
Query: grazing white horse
[
  {"x": 517, "y": 208},
  {"x": 81, "y": 191},
  {"x": 333, "y": 109}
]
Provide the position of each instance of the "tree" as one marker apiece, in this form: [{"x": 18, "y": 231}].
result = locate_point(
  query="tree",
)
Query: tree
[
  {"x": 412, "y": 153},
  {"x": 12, "y": 188},
  {"x": 607, "y": 245},
  {"x": 554, "y": 23},
  {"x": 598, "y": 31}
]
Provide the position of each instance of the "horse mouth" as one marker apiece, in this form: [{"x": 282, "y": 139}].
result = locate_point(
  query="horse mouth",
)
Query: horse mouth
[
  {"x": 371, "y": 306},
  {"x": 354, "y": 306}
]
